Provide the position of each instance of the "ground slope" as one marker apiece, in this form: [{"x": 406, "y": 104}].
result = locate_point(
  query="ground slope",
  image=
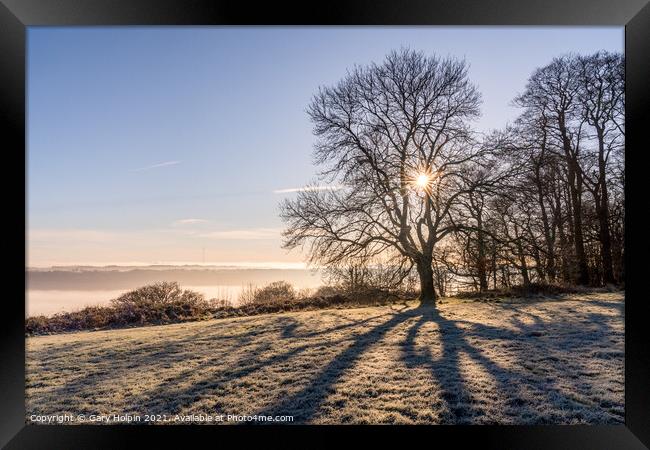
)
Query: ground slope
[{"x": 542, "y": 361}]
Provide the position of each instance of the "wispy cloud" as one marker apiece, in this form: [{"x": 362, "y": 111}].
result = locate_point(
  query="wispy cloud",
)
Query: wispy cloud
[
  {"x": 335, "y": 187},
  {"x": 244, "y": 234},
  {"x": 155, "y": 166},
  {"x": 189, "y": 222}
]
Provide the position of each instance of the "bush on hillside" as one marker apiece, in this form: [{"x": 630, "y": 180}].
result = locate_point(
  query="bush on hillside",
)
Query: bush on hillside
[
  {"x": 162, "y": 302},
  {"x": 166, "y": 302},
  {"x": 530, "y": 290},
  {"x": 158, "y": 303},
  {"x": 88, "y": 318},
  {"x": 278, "y": 291}
]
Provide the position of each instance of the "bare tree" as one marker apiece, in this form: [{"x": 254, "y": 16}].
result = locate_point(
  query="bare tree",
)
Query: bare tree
[
  {"x": 540, "y": 201},
  {"x": 601, "y": 96},
  {"x": 573, "y": 115},
  {"x": 553, "y": 94},
  {"x": 397, "y": 136}
]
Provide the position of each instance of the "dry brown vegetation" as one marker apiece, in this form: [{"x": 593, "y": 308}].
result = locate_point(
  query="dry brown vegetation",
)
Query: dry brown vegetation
[
  {"x": 467, "y": 361},
  {"x": 158, "y": 303},
  {"x": 165, "y": 303}
]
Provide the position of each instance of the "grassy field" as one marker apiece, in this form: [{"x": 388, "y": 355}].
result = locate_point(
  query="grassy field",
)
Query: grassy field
[{"x": 514, "y": 362}]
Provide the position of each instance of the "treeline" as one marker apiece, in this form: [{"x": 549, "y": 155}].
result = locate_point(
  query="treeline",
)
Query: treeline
[
  {"x": 557, "y": 213},
  {"x": 540, "y": 202}
]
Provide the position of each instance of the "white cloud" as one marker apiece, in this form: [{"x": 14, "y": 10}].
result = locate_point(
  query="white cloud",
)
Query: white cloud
[
  {"x": 335, "y": 187},
  {"x": 154, "y": 166},
  {"x": 189, "y": 221},
  {"x": 245, "y": 234}
]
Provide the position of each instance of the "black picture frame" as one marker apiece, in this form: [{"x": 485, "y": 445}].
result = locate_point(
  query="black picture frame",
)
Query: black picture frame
[{"x": 16, "y": 15}]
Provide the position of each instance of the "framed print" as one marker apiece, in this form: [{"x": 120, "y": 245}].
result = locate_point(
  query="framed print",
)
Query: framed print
[{"x": 393, "y": 220}]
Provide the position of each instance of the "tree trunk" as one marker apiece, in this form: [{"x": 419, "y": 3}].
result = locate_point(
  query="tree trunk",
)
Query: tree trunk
[
  {"x": 564, "y": 244},
  {"x": 583, "y": 268},
  {"x": 602, "y": 206},
  {"x": 548, "y": 237},
  {"x": 482, "y": 263},
  {"x": 605, "y": 240},
  {"x": 427, "y": 290},
  {"x": 505, "y": 276},
  {"x": 539, "y": 267},
  {"x": 522, "y": 263},
  {"x": 494, "y": 268},
  {"x": 575, "y": 191},
  {"x": 549, "y": 240}
]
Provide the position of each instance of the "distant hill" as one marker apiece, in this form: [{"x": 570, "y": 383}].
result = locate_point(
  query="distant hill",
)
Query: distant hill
[{"x": 117, "y": 277}]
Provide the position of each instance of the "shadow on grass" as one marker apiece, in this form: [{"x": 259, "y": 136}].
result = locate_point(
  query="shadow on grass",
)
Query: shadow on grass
[
  {"x": 528, "y": 339},
  {"x": 172, "y": 394},
  {"x": 461, "y": 404},
  {"x": 305, "y": 404}
]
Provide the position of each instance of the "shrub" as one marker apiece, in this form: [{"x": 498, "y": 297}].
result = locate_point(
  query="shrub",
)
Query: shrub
[
  {"x": 305, "y": 293},
  {"x": 90, "y": 317},
  {"x": 158, "y": 303},
  {"x": 166, "y": 302},
  {"x": 220, "y": 303},
  {"x": 278, "y": 291},
  {"x": 532, "y": 289},
  {"x": 542, "y": 289},
  {"x": 294, "y": 304},
  {"x": 162, "y": 302},
  {"x": 247, "y": 295},
  {"x": 280, "y": 296},
  {"x": 327, "y": 291}
]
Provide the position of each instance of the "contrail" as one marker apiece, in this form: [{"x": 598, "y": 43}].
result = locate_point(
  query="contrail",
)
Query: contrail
[{"x": 162, "y": 164}]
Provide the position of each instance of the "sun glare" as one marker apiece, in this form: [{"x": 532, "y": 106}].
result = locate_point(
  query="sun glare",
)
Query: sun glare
[{"x": 422, "y": 180}]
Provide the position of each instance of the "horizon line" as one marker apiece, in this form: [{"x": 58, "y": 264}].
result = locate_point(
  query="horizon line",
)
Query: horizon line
[{"x": 138, "y": 264}]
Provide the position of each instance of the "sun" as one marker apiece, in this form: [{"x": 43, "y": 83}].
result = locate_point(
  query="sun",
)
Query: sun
[{"x": 423, "y": 180}]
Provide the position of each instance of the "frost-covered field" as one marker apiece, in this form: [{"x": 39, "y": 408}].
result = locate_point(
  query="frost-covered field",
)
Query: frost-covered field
[{"x": 514, "y": 362}]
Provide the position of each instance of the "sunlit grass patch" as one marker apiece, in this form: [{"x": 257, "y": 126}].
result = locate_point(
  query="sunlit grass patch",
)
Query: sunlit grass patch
[{"x": 463, "y": 362}]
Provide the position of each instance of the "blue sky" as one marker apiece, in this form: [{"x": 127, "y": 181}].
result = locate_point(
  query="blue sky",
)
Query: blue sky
[{"x": 150, "y": 145}]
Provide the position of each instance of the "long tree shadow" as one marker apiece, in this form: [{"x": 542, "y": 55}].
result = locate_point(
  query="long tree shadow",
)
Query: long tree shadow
[
  {"x": 305, "y": 404},
  {"x": 545, "y": 358},
  {"x": 109, "y": 363},
  {"x": 445, "y": 370},
  {"x": 173, "y": 394},
  {"x": 519, "y": 386},
  {"x": 463, "y": 403},
  {"x": 522, "y": 338}
]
